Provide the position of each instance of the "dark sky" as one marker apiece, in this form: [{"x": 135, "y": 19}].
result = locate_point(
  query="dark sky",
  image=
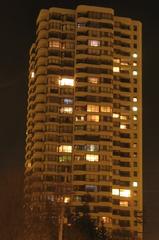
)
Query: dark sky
[{"x": 17, "y": 32}]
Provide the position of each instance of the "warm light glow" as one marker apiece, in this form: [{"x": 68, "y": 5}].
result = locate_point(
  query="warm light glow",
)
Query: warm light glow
[
  {"x": 115, "y": 115},
  {"x": 123, "y": 117},
  {"x": 116, "y": 60},
  {"x": 106, "y": 109},
  {"x": 116, "y": 69},
  {"x": 54, "y": 43},
  {"x": 29, "y": 165},
  {"x": 66, "y": 82},
  {"x": 134, "y": 99},
  {"x": 134, "y": 145},
  {"x": 135, "y": 118},
  {"x": 65, "y": 148},
  {"x": 66, "y": 199},
  {"x": 135, "y": 184},
  {"x": 93, "y": 118},
  {"x": 79, "y": 118},
  {"x": 125, "y": 193},
  {"x": 123, "y": 126},
  {"x": 92, "y": 157},
  {"x": 93, "y": 80},
  {"x": 134, "y": 64},
  {"x": 124, "y": 203},
  {"x": 92, "y": 108},
  {"x": 134, "y": 108},
  {"x": 115, "y": 191},
  {"x": 106, "y": 220},
  {"x": 135, "y": 73},
  {"x": 32, "y": 74},
  {"x": 124, "y": 64},
  {"x": 135, "y": 55},
  {"x": 94, "y": 43},
  {"x": 68, "y": 110}
]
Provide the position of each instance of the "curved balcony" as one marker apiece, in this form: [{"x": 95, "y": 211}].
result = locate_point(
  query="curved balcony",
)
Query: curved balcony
[
  {"x": 43, "y": 16},
  {"x": 38, "y": 146},
  {"x": 39, "y": 127},
  {"x": 38, "y": 136},
  {"x": 40, "y": 98},
  {"x": 42, "y": 52},
  {"x": 42, "y": 61},
  {"x": 42, "y": 27},
  {"x": 42, "y": 43},
  {"x": 40, "y": 89},
  {"x": 37, "y": 157},
  {"x": 41, "y": 70},
  {"x": 39, "y": 117},
  {"x": 42, "y": 32},
  {"x": 29, "y": 138},
  {"x": 40, "y": 108},
  {"x": 41, "y": 79}
]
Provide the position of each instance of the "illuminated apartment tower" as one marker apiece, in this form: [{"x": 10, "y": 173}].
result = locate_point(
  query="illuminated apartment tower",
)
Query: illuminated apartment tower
[{"x": 84, "y": 123}]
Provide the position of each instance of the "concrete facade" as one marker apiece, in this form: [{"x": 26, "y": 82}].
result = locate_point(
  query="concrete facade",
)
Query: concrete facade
[{"x": 84, "y": 123}]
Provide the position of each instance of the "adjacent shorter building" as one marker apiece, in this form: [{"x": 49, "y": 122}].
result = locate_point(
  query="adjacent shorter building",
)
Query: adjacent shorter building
[{"x": 84, "y": 122}]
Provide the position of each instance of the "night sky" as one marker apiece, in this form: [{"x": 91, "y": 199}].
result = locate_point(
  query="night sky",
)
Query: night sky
[{"x": 17, "y": 32}]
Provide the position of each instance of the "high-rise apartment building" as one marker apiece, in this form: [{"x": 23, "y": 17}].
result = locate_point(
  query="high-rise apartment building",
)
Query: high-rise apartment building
[{"x": 84, "y": 122}]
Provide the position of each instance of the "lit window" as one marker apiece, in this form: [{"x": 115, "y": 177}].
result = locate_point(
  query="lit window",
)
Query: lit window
[
  {"x": 68, "y": 110},
  {"x": 106, "y": 109},
  {"x": 92, "y": 108},
  {"x": 116, "y": 60},
  {"x": 116, "y": 69},
  {"x": 92, "y": 147},
  {"x": 63, "y": 45},
  {"x": 66, "y": 199},
  {"x": 65, "y": 148},
  {"x": 125, "y": 193},
  {"x": 78, "y": 25},
  {"x": 81, "y": 25},
  {"x": 134, "y": 108},
  {"x": 92, "y": 158},
  {"x": 77, "y": 198},
  {"x": 134, "y": 64},
  {"x": 115, "y": 192},
  {"x": 66, "y": 82},
  {"x": 135, "y": 73},
  {"x": 135, "y": 118},
  {"x": 93, "y": 80},
  {"x": 106, "y": 220},
  {"x": 135, "y": 184},
  {"x": 29, "y": 165},
  {"x": 134, "y": 99},
  {"x": 68, "y": 100},
  {"x": 123, "y": 126},
  {"x": 93, "y": 118},
  {"x": 32, "y": 74},
  {"x": 124, "y": 64},
  {"x": 115, "y": 115},
  {"x": 55, "y": 44},
  {"x": 135, "y": 55},
  {"x": 124, "y": 203},
  {"x": 94, "y": 43},
  {"x": 65, "y": 158},
  {"x": 123, "y": 117},
  {"x": 79, "y": 118}
]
